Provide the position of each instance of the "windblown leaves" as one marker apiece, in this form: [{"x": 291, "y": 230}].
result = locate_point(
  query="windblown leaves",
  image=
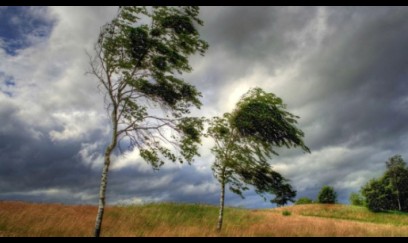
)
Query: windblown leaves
[
  {"x": 246, "y": 138},
  {"x": 140, "y": 66},
  {"x": 262, "y": 116}
]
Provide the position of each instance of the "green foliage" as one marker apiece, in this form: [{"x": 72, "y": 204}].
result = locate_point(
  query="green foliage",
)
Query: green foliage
[
  {"x": 356, "y": 199},
  {"x": 284, "y": 195},
  {"x": 304, "y": 200},
  {"x": 389, "y": 192},
  {"x": 378, "y": 195},
  {"x": 396, "y": 177},
  {"x": 139, "y": 66},
  {"x": 263, "y": 117},
  {"x": 395, "y": 163},
  {"x": 241, "y": 152},
  {"x": 286, "y": 213},
  {"x": 327, "y": 195}
]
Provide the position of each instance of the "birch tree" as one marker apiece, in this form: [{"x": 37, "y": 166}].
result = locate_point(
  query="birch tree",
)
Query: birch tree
[
  {"x": 140, "y": 58},
  {"x": 244, "y": 142},
  {"x": 395, "y": 172}
]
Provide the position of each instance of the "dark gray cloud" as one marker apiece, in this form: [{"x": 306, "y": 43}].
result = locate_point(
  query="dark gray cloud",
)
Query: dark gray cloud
[{"x": 343, "y": 70}]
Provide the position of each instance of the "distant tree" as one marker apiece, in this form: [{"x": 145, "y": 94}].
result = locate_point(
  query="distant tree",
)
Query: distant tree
[
  {"x": 396, "y": 172},
  {"x": 379, "y": 196},
  {"x": 356, "y": 199},
  {"x": 303, "y": 200},
  {"x": 245, "y": 139},
  {"x": 327, "y": 195},
  {"x": 139, "y": 67},
  {"x": 389, "y": 192},
  {"x": 284, "y": 195}
]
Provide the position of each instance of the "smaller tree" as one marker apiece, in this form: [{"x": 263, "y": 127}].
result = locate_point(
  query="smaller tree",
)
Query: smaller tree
[
  {"x": 379, "y": 196},
  {"x": 356, "y": 199},
  {"x": 396, "y": 175},
  {"x": 389, "y": 192},
  {"x": 244, "y": 142},
  {"x": 304, "y": 200},
  {"x": 327, "y": 195},
  {"x": 284, "y": 195}
]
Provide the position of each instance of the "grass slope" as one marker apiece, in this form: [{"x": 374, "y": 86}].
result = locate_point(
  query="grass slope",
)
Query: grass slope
[
  {"x": 170, "y": 219},
  {"x": 348, "y": 212}
]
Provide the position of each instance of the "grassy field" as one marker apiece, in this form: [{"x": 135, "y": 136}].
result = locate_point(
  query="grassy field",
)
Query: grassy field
[
  {"x": 169, "y": 219},
  {"x": 355, "y": 213}
]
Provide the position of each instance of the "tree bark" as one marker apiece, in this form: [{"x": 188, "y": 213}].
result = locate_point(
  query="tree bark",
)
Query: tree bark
[
  {"x": 398, "y": 199},
  {"x": 396, "y": 188},
  {"x": 105, "y": 170},
  {"x": 222, "y": 196},
  {"x": 102, "y": 191}
]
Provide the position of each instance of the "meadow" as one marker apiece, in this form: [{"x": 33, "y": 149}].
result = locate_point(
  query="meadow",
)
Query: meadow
[{"x": 174, "y": 219}]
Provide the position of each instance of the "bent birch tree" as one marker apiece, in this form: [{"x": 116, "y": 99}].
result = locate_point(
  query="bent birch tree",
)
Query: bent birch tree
[
  {"x": 244, "y": 141},
  {"x": 140, "y": 56}
]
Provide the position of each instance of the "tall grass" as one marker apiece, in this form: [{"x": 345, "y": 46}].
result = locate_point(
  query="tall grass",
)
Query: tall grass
[
  {"x": 171, "y": 219},
  {"x": 356, "y": 213}
]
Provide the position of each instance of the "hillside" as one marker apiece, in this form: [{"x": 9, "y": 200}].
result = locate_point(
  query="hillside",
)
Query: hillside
[{"x": 170, "y": 219}]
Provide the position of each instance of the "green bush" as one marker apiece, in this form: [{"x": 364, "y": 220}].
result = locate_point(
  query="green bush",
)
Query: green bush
[
  {"x": 379, "y": 195},
  {"x": 286, "y": 213},
  {"x": 327, "y": 195},
  {"x": 303, "y": 200},
  {"x": 356, "y": 199}
]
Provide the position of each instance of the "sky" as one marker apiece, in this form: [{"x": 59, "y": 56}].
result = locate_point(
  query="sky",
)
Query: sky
[{"x": 343, "y": 70}]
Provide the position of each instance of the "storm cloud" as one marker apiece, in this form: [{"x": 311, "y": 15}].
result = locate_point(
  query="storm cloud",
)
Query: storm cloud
[{"x": 343, "y": 70}]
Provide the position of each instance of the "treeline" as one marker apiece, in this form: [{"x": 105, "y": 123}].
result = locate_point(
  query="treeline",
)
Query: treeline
[
  {"x": 388, "y": 192},
  {"x": 327, "y": 195}
]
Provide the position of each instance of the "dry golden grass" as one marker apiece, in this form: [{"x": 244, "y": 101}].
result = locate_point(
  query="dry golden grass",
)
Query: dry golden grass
[
  {"x": 24, "y": 219},
  {"x": 275, "y": 224},
  {"x": 356, "y": 213},
  {"x": 169, "y": 219}
]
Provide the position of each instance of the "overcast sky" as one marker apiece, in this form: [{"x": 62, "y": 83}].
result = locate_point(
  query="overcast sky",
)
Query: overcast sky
[{"x": 343, "y": 70}]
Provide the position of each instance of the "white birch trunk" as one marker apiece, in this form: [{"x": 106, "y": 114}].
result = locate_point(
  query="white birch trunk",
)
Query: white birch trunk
[
  {"x": 222, "y": 196},
  {"x": 105, "y": 170}
]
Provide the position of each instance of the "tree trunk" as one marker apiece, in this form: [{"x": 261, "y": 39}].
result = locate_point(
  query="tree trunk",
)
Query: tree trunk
[
  {"x": 102, "y": 191},
  {"x": 398, "y": 199},
  {"x": 222, "y": 196},
  {"x": 396, "y": 188},
  {"x": 105, "y": 170}
]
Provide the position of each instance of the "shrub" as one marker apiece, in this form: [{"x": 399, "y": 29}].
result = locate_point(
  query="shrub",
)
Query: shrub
[
  {"x": 356, "y": 199},
  {"x": 303, "y": 200},
  {"x": 327, "y": 195},
  {"x": 286, "y": 213}
]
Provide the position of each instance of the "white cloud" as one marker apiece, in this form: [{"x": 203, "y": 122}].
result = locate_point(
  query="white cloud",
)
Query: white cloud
[
  {"x": 56, "y": 193},
  {"x": 200, "y": 189},
  {"x": 130, "y": 159},
  {"x": 77, "y": 124},
  {"x": 90, "y": 154},
  {"x": 50, "y": 75},
  {"x": 348, "y": 165},
  {"x": 137, "y": 200}
]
